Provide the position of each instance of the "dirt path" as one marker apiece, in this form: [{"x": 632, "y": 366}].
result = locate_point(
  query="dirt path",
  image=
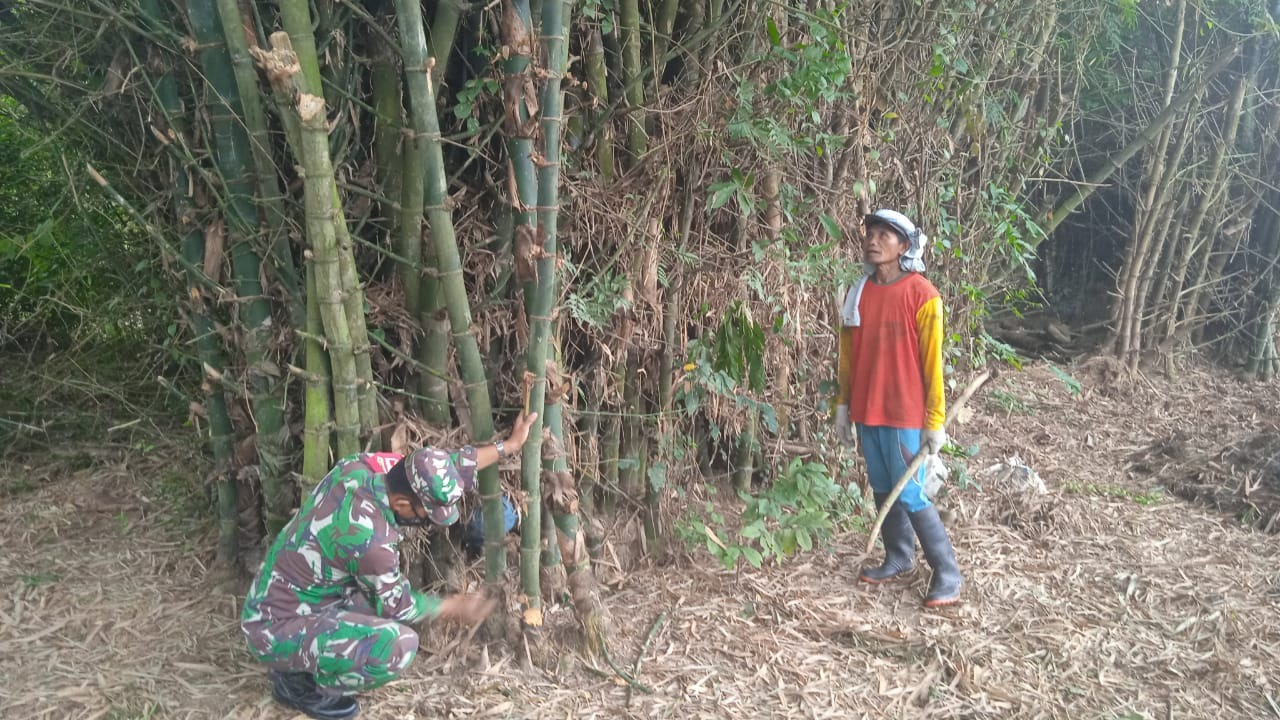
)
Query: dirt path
[{"x": 1102, "y": 599}]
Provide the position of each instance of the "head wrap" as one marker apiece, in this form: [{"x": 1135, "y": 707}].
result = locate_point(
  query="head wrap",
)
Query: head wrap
[{"x": 913, "y": 259}]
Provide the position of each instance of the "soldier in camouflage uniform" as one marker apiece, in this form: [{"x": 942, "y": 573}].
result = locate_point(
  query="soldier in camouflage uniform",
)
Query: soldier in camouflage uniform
[{"x": 329, "y": 612}]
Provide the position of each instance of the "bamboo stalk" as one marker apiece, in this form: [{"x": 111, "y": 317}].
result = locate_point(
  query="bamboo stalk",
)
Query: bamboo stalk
[
  {"x": 352, "y": 296},
  {"x": 208, "y": 342},
  {"x": 434, "y": 350},
  {"x": 521, "y": 125},
  {"x": 582, "y": 584},
  {"x": 631, "y": 433},
  {"x": 541, "y": 360},
  {"x": 1208, "y": 199},
  {"x": 221, "y": 433},
  {"x": 637, "y": 136},
  {"x": 597, "y": 81},
  {"x": 444, "y": 31},
  {"x": 1117, "y": 160},
  {"x": 388, "y": 113},
  {"x": 590, "y": 452},
  {"x": 317, "y": 425},
  {"x": 610, "y": 450},
  {"x": 1159, "y": 178},
  {"x": 231, "y": 148},
  {"x": 270, "y": 196},
  {"x": 426, "y": 124},
  {"x": 1213, "y": 259},
  {"x": 663, "y": 27},
  {"x": 296, "y": 18},
  {"x": 554, "y": 580},
  {"x": 312, "y": 150},
  {"x": 1152, "y": 244}
]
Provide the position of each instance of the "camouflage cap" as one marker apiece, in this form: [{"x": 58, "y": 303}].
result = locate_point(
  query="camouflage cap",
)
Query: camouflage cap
[{"x": 434, "y": 480}]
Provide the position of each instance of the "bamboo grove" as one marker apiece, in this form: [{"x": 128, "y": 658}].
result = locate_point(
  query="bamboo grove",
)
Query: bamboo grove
[{"x": 391, "y": 222}]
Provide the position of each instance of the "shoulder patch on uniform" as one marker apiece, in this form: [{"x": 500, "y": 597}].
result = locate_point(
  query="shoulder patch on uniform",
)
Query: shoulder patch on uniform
[{"x": 382, "y": 462}]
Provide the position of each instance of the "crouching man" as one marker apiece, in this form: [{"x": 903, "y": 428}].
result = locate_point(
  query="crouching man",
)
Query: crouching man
[{"x": 329, "y": 612}]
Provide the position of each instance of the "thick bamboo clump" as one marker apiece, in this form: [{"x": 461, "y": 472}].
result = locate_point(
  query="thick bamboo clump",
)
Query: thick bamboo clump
[{"x": 231, "y": 150}]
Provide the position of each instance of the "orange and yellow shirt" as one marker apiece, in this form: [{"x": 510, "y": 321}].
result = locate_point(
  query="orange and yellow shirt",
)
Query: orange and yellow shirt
[{"x": 890, "y": 367}]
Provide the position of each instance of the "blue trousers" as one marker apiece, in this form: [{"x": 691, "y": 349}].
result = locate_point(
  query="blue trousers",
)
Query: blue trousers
[{"x": 888, "y": 452}]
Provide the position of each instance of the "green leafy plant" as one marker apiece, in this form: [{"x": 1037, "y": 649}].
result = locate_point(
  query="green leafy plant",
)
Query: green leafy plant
[
  {"x": 800, "y": 509},
  {"x": 1073, "y": 385},
  {"x": 597, "y": 302},
  {"x": 473, "y": 94},
  {"x": 1010, "y": 403}
]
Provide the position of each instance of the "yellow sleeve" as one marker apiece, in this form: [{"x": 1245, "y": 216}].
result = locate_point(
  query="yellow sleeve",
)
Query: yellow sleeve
[
  {"x": 929, "y": 326},
  {"x": 844, "y": 366}
]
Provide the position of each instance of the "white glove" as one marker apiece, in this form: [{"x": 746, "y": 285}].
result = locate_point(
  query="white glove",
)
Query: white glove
[
  {"x": 931, "y": 441},
  {"x": 935, "y": 476},
  {"x": 844, "y": 429}
]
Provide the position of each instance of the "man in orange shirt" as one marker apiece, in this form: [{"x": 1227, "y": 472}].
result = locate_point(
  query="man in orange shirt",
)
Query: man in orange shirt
[{"x": 890, "y": 376}]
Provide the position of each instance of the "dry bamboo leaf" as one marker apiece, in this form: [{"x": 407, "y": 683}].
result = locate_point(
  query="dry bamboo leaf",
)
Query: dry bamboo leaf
[
  {"x": 527, "y": 252},
  {"x": 215, "y": 235}
]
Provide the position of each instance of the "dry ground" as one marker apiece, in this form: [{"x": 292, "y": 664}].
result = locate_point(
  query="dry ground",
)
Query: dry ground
[{"x": 1105, "y": 598}]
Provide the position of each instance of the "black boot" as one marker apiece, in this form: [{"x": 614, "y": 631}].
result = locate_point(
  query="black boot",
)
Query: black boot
[
  {"x": 944, "y": 586},
  {"x": 899, "y": 544},
  {"x": 298, "y": 690}
]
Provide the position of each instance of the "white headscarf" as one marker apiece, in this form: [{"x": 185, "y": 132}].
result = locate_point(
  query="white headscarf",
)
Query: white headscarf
[{"x": 911, "y": 261}]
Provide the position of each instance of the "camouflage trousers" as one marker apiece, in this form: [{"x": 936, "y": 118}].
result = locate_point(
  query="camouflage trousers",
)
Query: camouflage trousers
[{"x": 346, "y": 650}]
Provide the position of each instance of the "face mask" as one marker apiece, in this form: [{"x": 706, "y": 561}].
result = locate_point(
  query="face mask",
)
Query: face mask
[{"x": 411, "y": 521}]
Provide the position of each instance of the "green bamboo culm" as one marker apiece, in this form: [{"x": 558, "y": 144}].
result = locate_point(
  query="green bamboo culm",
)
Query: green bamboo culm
[
  {"x": 427, "y": 303},
  {"x": 574, "y": 550},
  {"x": 597, "y": 81},
  {"x": 208, "y": 342},
  {"x": 590, "y": 453},
  {"x": 444, "y": 30},
  {"x": 521, "y": 125},
  {"x": 413, "y": 172},
  {"x": 317, "y": 441},
  {"x": 664, "y": 26},
  {"x": 312, "y": 150},
  {"x": 388, "y": 113},
  {"x": 295, "y": 15},
  {"x": 270, "y": 196},
  {"x": 426, "y": 124},
  {"x": 221, "y": 435},
  {"x": 610, "y": 453},
  {"x": 433, "y": 351},
  {"x": 317, "y": 426},
  {"x": 633, "y": 84},
  {"x": 632, "y": 433},
  {"x": 231, "y": 149}
]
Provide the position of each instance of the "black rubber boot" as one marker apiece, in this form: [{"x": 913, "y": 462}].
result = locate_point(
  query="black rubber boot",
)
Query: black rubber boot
[
  {"x": 899, "y": 545},
  {"x": 297, "y": 690},
  {"x": 944, "y": 586}
]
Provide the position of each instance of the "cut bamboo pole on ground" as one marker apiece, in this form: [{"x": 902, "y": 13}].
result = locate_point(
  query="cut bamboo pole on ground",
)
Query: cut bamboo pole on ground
[{"x": 919, "y": 459}]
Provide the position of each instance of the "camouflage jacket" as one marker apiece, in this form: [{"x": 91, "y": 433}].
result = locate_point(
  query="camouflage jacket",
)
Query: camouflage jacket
[{"x": 342, "y": 541}]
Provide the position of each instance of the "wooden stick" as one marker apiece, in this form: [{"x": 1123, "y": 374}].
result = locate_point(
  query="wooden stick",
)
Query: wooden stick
[
  {"x": 920, "y": 457},
  {"x": 653, "y": 631}
]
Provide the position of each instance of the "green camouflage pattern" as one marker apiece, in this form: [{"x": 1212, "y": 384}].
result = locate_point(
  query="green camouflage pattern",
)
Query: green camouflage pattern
[{"x": 329, "y": 598}]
